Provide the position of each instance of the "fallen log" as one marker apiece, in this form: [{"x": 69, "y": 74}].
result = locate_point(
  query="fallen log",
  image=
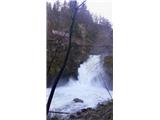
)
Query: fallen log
[{"x": 59, "y": 112}]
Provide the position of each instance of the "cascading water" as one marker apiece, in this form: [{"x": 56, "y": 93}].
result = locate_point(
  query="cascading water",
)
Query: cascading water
[{"x": 90, "y": 87}]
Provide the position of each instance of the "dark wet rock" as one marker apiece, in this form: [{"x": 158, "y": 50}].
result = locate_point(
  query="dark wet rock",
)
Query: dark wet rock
[
  {"x": 77, "y": 100},
  {"x": 84, "y": 110},
  {"x": 78, "y": 113},
  {"x": 72, "y": 116},
  {"x": 102, "y": 112}
]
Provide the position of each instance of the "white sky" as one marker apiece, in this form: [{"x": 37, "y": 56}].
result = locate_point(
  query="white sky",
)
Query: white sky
[{"x": 98, "y": 7}]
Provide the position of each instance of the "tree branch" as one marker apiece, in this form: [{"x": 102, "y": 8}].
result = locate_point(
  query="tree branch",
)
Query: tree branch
[{"x": 59, "y": 112}]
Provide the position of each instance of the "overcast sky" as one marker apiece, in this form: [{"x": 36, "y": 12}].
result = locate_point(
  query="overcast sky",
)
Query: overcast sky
[{"x": 98, "y": 7}]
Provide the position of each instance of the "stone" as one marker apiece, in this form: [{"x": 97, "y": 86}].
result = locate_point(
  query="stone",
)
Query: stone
[{"x": 76, "y": 100}]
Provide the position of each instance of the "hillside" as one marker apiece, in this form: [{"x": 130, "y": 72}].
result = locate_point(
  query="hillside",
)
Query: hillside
[{"x": 91, "y": 35}]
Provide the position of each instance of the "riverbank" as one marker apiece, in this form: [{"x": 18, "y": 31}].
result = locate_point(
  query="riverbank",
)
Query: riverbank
[{"x": 101, "y": 112}]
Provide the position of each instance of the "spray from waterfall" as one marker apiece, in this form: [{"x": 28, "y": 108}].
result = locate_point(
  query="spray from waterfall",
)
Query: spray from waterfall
[{"x": 90, "y": 88}]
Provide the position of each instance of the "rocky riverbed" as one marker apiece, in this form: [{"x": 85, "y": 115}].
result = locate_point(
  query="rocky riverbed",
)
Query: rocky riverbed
[{"x": 103, "y": 111}]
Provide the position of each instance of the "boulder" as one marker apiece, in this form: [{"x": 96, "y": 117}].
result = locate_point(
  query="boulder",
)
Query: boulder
[{"x": 76, "y": 100}]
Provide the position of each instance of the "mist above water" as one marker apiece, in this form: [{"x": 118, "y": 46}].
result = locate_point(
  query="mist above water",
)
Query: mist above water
[{"x": 90, "y": 87}]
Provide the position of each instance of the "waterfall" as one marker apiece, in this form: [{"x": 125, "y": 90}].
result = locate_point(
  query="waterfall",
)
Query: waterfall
[{"x": 90, "y": 87}]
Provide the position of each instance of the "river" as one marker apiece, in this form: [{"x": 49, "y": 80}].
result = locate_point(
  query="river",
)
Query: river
[{"x": 90, "y": 88}]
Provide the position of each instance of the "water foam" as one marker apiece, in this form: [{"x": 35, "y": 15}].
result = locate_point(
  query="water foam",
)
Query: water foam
[{"x": 90, "y": 87}]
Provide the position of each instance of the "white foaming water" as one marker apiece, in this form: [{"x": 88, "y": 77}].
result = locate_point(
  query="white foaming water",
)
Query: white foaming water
[{"x": 89, "y": 87}]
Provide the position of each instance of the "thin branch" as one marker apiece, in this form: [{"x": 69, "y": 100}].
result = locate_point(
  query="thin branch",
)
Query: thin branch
[
  {"x": 82, "y": 4},
  {"x": 106, "y": 87},
  {"x": 59, "y": 112}
]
